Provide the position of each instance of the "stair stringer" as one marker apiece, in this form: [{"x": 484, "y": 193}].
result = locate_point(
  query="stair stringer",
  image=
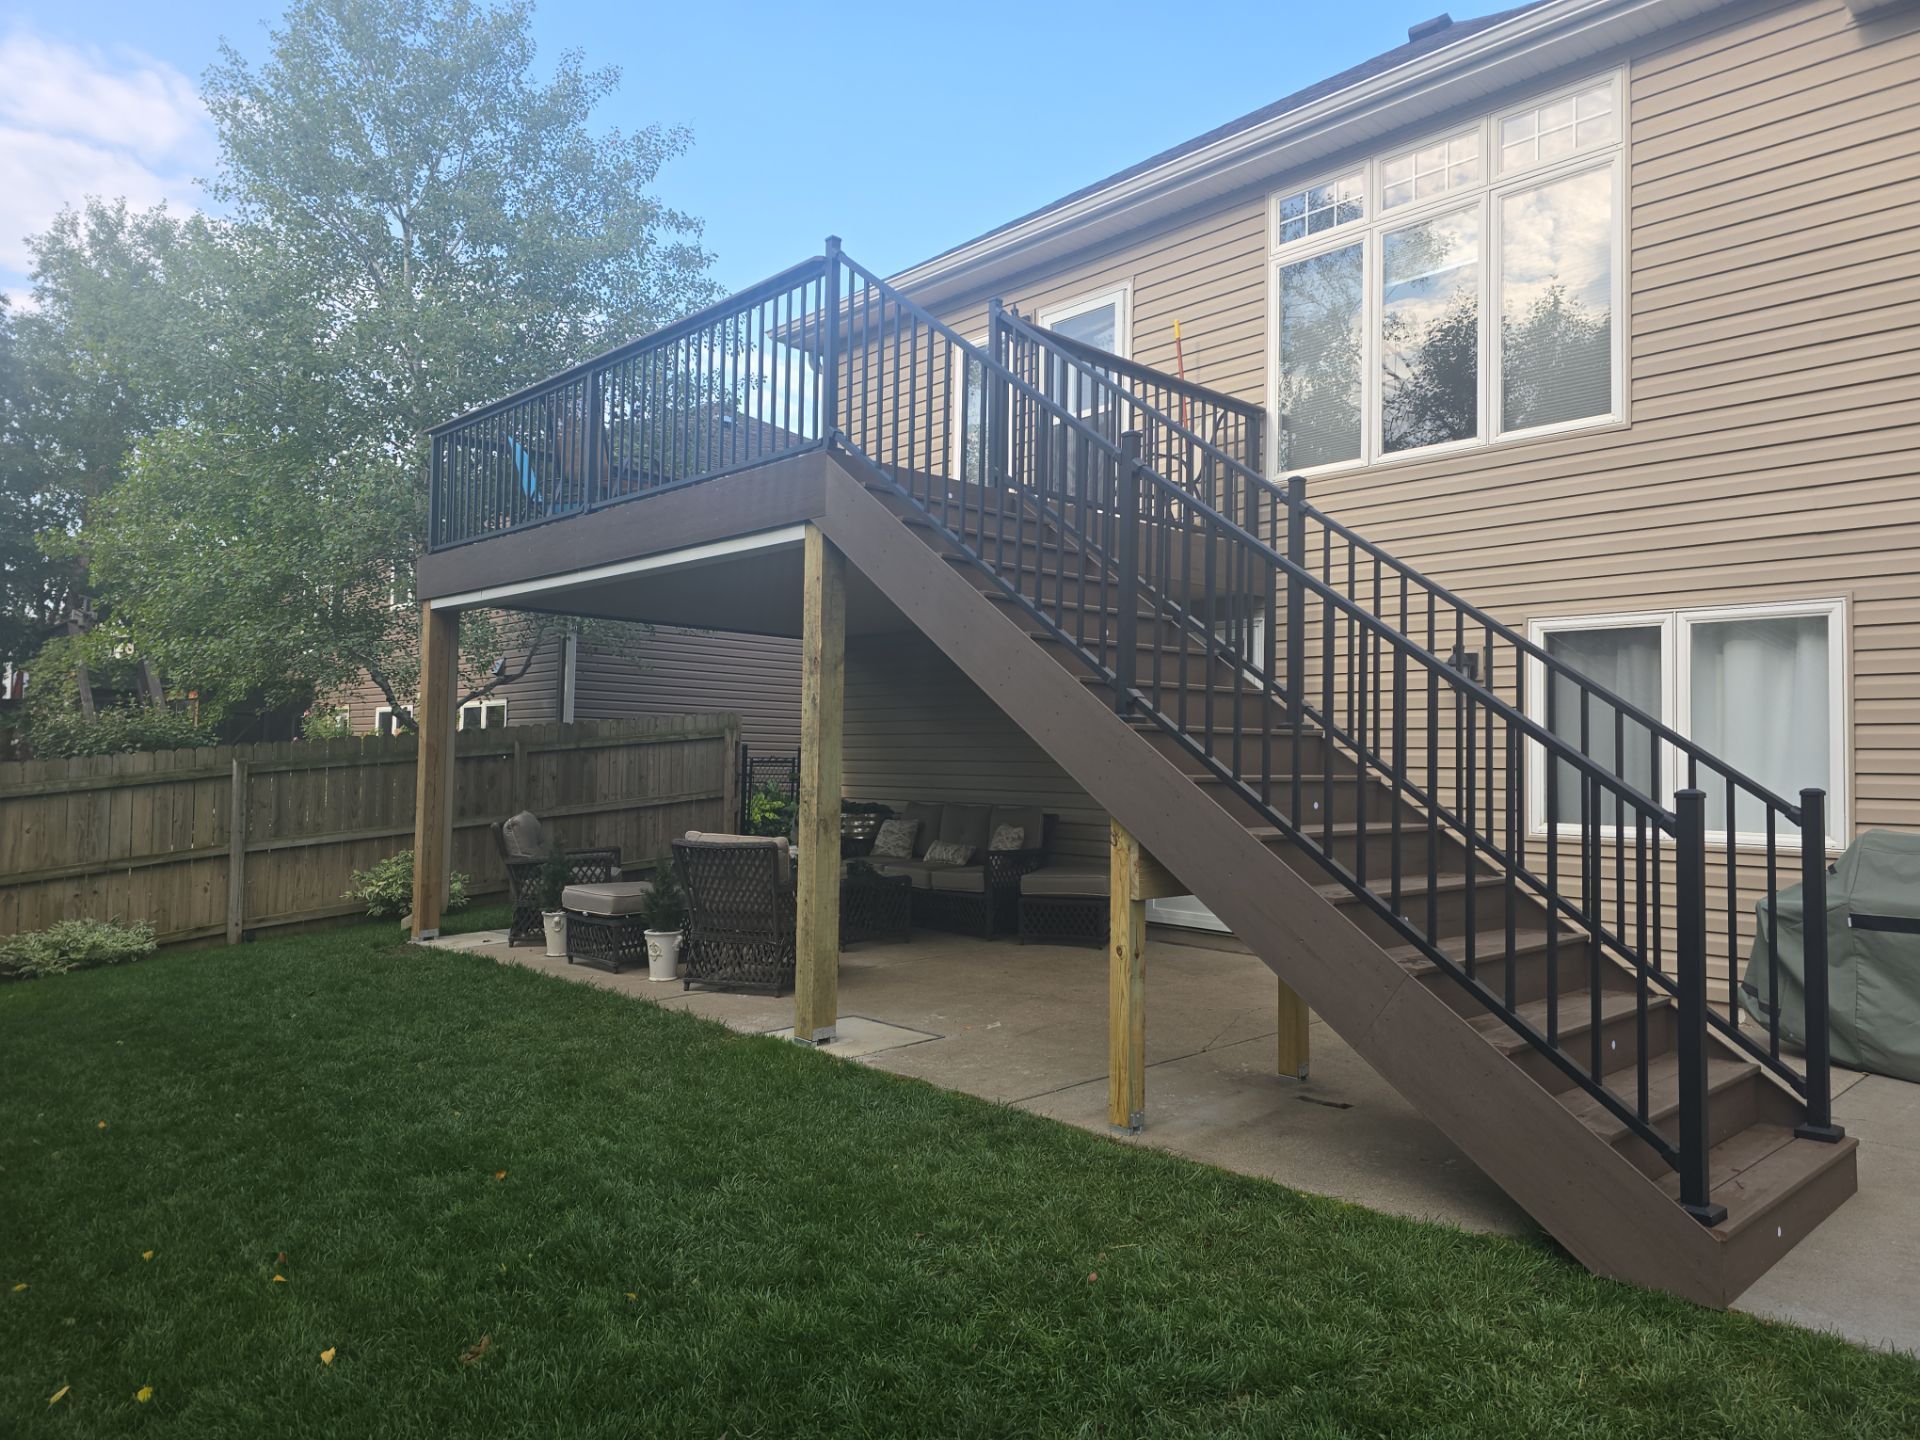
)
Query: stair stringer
[{"x": 1613, "y": 1218}]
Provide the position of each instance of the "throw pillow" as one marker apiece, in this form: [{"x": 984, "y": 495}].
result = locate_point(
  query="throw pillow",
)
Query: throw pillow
[
  {"x": 1008, "y": 837},
  {"x": 948, "y": 852},
  {"x": 895, "y": 840}
]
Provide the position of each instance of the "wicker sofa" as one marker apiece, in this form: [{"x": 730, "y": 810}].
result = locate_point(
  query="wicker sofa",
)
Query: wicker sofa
[{"x": 981, "y": 897}]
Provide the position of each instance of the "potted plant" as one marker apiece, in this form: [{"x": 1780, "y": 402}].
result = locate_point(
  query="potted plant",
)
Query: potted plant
[
  {"x": 665, "y": 916},
  {"x": 554, "y": 874}
]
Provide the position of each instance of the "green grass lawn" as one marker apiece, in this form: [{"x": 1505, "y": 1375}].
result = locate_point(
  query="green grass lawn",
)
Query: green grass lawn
[{"x": 507, "y": 1205}]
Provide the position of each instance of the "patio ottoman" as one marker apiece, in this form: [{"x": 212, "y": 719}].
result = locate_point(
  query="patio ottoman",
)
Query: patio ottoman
[
  {"x": 604, "y": 928},
  {"x": 1064, "y": 905}
]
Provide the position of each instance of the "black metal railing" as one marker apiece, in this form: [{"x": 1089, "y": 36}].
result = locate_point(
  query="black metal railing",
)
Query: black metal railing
[
  {"x": 1362, "y": 711},
  {"x": 735, "y": 385}
]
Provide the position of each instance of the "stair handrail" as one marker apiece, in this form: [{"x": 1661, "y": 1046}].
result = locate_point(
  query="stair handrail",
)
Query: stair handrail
[
  {"x": 1095, "y": 364},
  {"x": 1096, "y": 367}
]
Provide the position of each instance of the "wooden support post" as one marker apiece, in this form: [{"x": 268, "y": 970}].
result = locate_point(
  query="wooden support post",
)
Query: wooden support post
[
  {"x": 823, "y": 673},
  {"x": 1292, "y": 1057},
  {"x": 237, "y": 856},
  {"x": 1126, "y": 984},
  {"x": 436, "y": 718}
]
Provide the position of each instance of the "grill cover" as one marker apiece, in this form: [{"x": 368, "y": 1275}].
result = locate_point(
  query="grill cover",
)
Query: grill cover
[{"x": 1873, "y": 957}]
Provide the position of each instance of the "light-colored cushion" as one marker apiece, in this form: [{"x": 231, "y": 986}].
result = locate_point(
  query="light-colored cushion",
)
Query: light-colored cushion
[
  {"x": 526, "y": 837},
  {"x": 783, "y": 869},
  {"x": 927, "y": 817},
  {"x": 964, "y": 879},
  {"x": 949, "y": 852},
  {"x": 613, "y": 897},
  {"x": 967, "y": 824},
  {"x": 914, "y": 870},
  {"x": 1066, "y": 880},
  {"x": 1007, "y": 837},
  {"x": 1031, "y": 820},
  {"x": 894, "y": 839}
]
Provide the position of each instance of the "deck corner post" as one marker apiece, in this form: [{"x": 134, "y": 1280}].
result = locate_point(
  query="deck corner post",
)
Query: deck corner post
[
  {"x": 1126, "y": 985},
  {"x": 435, "y": 718},
  {"x": 1291, "y": 1056},
  {"x": 823, "y": 665}
]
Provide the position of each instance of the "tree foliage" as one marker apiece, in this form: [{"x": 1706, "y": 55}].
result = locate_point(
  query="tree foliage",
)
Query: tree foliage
[{"x": 416, "y": 222}]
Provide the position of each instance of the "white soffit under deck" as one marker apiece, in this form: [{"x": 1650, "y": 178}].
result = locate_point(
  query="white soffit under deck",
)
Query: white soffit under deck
[{"x": 693, "y": 555}]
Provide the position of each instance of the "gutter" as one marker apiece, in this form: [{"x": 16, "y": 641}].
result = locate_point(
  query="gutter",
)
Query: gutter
[{"x": 999, "y": 250}]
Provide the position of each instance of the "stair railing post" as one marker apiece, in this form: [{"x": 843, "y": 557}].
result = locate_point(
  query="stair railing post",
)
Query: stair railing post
[
  {"x": 1813, "y": 897},
  {"x": 994, "y": 394},
  {"x": 1690, "y": 902},
  {"x": 1127, "y": 561},
  {"x": 1296, "y": 593},
  {"x": 830, "y": 347}
]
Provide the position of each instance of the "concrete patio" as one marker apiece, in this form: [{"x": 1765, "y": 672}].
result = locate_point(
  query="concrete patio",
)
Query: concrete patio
[{"x": 1026, "y": 1026}]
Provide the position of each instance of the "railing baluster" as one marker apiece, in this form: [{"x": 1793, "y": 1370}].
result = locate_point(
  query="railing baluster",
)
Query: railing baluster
[
  {"x": 1813, "y": 896},
  {"x": 1690, "y": 843}
]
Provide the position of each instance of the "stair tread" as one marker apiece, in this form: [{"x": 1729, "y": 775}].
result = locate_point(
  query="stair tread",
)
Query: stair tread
[
  {"x": 1445, "y": 882},
  {"x": 1752, "y": 1172},
  {"x": 1575, "y": 1015},
  {"x": 1488, "y": 947},
  {"x": 1663, "y": 1091}
]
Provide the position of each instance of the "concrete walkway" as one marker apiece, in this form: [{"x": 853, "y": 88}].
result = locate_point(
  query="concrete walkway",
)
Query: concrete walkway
[{"x": 1027, "y": 1026}]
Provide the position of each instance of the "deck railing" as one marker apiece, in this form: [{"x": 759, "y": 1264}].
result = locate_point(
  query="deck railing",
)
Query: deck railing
[{"x": 1112, "y": 501}]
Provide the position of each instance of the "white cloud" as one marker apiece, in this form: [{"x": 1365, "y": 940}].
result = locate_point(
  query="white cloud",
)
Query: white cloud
[{"x": 77, "y": 121}]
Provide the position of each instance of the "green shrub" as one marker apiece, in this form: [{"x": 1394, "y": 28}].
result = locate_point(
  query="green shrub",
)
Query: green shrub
[
  {"x": 325, "y": 725},
  {"x": 386, "y": 889},
  {"x": 666, "y": 904},
  {"x": 62, "y": 734},
  {"x": 555, "y": 875},
  {"x": 74, "y": 945},
  {"x": 769, "y": 811}
]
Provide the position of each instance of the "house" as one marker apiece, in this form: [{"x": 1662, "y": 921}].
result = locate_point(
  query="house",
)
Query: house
[
  {"x": 563, "y": 671},
  {"x": 1456, "y": 521}
]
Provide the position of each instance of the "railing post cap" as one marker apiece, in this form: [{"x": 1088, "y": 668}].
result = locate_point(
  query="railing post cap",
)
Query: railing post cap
[{"x": 833, "y": 243}]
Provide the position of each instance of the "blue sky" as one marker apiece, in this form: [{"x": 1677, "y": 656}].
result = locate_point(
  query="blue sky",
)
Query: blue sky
[{"x": 904, "y": 129}]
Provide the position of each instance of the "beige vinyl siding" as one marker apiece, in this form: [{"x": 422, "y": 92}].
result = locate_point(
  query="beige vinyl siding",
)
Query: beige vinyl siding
[
  {"x": 918, "y": 729},
  {"x": 666, "y": 670},
  {"x": 1771, "y": 448}
]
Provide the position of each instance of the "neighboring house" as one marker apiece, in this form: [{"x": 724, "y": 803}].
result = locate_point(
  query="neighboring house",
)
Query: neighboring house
[
  {"x": 1591, "y": 331},
  {"x": 655, "y": 670}
]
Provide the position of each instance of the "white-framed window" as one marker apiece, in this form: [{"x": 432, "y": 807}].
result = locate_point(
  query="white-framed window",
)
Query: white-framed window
[
  {"x": 1448, "y": 164},
  {"x": 970, "y": 416},
  {"x": 1466, "y": 296},
  {"x": 1571, "y": 123},
  {"x": 1100, "y": 320},
  {"x": 383, "y": 721},
  {"x": 1322, "y": 206},
  {"x": 1763, "y": 687},
  {"x": 483, "y": 715}
]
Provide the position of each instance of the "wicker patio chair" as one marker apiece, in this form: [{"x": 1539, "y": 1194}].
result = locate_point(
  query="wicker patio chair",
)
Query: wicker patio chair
[
  {"x": 524, "y": 848},
  {"x": 740, "y": 912}
]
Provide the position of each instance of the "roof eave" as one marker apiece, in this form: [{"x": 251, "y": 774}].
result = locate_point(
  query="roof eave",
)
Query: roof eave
[{"x": 1554, "y": 34}]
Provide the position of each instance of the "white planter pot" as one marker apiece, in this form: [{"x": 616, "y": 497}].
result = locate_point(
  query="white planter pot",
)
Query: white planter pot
[
  {"x": 663, "y": 955},
  {"x": 556, "y": 925}
]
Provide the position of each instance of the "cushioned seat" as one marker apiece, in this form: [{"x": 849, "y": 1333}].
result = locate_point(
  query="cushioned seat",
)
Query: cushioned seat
[
  {"x": 612, "y": 897},
  {"x": 1066, "y": 880},
  {"x": 958, "y": 879},
  {"x": 915, "y": 870}
]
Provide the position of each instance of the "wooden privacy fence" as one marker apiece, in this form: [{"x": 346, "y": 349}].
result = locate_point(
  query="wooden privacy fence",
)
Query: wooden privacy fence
[{"x": 232, "y": 839}]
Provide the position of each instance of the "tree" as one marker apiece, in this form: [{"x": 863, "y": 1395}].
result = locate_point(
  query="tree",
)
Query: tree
[{"x": 417, "y": 225}]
